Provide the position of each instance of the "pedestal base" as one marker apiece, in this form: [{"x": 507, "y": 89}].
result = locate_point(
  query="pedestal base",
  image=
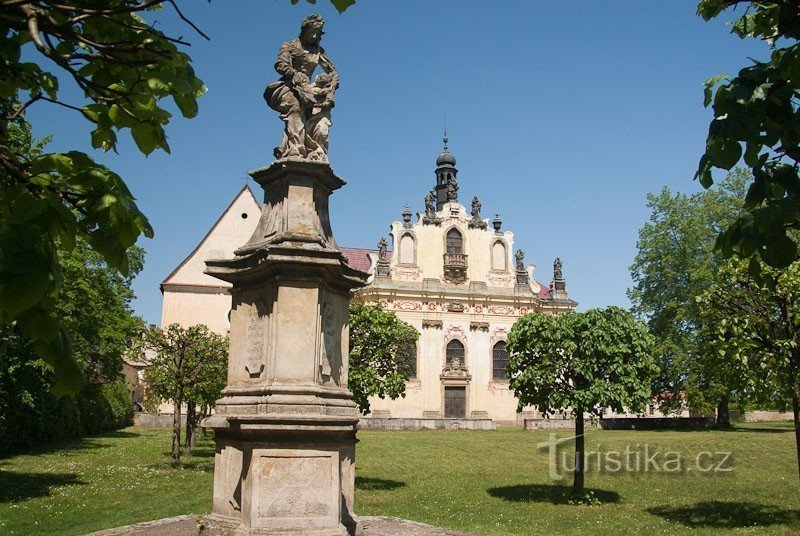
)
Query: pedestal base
[{"x": 284, "y": 479}]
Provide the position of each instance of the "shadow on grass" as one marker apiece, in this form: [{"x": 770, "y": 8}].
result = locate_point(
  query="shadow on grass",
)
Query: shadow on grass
[
  {"x": 727, "y": 515},
  {"x": 548, "y": 493},
  {"x": 377, "y": 484},
  {"x": 65, "y": 446},
  {"x": 19, "y": 486}
]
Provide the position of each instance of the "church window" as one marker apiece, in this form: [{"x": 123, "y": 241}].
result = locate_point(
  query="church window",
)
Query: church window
[
  {"x": 455, "y": 351},
  {"x": 499, "y": 256},
  {"x": 407, "y": 253},
  {"x": 499, "y": 361},
  {"x": 455, "y": 243}
]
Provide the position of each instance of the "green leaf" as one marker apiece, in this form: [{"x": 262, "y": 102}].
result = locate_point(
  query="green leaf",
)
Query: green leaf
[
  {"x": 186, "y": 103},
  {"x": 708, "y": 87},
  {"x": 723, "y": 152},
  {"x": 780, "y": 253},
  {"x": 145, "y": 137},
  {"x": 342, "y": 5}
]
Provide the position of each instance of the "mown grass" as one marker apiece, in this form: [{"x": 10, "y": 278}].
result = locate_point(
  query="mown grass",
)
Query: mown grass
[{"x": 492, "y": 482}]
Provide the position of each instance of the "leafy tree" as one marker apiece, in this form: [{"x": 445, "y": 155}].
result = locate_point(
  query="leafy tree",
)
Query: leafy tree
[
  {"x": 186, "y": 364},
  {"x": 94, "y": 303},
  {"x": 585, "y": 362},
  {"x": 381, "y": 347},
  {"x": 754, "y": 330},
  {"x": 126, "y": 68},
  {"x": 756, "y": 116},
  {"x": 674, "y": 264}
]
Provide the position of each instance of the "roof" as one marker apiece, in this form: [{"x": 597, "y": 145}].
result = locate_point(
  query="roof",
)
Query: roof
[
  {"x": 358, "y": 258},
  {"x": 544, "y": 291}
]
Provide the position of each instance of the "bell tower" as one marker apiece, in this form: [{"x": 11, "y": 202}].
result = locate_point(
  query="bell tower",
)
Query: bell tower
[{"x": 446, "y": 181}]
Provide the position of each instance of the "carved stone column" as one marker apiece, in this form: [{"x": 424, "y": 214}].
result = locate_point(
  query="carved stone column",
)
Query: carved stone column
[{"x": 285, "y": 428}]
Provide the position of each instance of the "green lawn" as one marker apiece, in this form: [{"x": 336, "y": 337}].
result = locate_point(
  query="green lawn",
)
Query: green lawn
[{"x": 493, "y": 482}]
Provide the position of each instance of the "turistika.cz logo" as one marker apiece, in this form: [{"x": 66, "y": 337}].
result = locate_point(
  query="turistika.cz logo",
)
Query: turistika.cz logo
[{"x": 637, "y": 458}]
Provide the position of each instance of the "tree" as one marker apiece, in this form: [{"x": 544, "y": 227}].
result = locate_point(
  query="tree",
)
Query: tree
[
  {"x": 126, "y": 67},
  {"x": 755, "y": 333},
  {"x": 674, "y": 264},
  {"x": 756, "y": 116},
  {"x": 186, "y": 364},
  {"x": 381, "y": 346},
  {"x": 95, "y": 304},
  {"x": 585, "y": 362}
]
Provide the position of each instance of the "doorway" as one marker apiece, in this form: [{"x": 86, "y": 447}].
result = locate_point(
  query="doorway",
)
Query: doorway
[{"x": 455, "y": 402}]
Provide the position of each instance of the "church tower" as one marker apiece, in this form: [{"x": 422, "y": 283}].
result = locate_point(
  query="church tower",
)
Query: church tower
[{"x": 446, "y": 182}]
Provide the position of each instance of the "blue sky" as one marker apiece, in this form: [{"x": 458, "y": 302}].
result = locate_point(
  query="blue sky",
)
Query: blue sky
[{"x": 562, "y": 115}]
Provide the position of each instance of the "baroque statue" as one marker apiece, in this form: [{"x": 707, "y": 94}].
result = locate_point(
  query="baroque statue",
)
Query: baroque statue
[
  {"x": 382, "y": 249},
  {"x": 520, "y": 258},
  {"x": 476, "y": 209},
  {"x": 430, "y": 204},
  {"x": 304, "y": 104},
  {"x": 557, "y": 266}
]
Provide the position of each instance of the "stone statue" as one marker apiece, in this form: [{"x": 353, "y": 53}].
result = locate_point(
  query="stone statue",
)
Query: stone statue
[
  {"x": 382, "y": 250},
  {"x": 452, "y": 189},
  {"x": 304, "y": 105},
  {"x": 430, "y": 204},
  {"x": 520, "y": 258},
  {"x": 476, "y": 209},
  {"x": 557, "y": 265}
]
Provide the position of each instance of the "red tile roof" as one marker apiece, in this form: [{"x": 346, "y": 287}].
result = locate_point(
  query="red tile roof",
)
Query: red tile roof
[
  {"x": 544, "y": 291},
  {"x": 358, "y": 258}
]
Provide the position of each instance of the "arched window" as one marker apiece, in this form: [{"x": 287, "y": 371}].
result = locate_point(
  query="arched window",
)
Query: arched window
[
  {"x": 455, "y": 350},
  {"x": 407, "y": 249},
  {"x": 499, "y": 256},
  {"x": 455, "y": 243},
  {"x": 499, "y": 361}
]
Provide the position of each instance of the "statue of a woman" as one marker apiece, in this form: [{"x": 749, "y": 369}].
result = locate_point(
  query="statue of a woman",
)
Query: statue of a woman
[{"x": 304, "y": 105}]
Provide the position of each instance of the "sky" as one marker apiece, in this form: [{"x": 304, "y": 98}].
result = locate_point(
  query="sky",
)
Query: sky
[{"x": 563, "y": 116}]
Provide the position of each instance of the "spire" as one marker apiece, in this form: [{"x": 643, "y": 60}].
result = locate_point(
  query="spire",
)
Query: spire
[{"x": 446, "y": 183}]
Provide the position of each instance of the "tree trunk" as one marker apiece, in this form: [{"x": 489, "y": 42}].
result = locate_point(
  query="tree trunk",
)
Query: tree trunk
[
  {"x": 723, "y": 413},
  {"x": 191, "y": 408},
  {"x": 176, "y": 432},
  {"x": 577, "y": 482},
  {"x": 796, "y": 410}
]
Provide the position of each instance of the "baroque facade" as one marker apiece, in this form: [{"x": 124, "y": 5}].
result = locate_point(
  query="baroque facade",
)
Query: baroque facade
[{"x": 451, "y": 274}]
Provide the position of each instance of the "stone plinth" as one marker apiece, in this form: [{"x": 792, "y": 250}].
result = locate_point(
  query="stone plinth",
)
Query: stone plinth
[{"x": 285, "y": 426}]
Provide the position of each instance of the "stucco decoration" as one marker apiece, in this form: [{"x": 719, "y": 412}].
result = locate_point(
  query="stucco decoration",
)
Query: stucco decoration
[
  {"x": 498, "y": 334},
  {"x": 455, "y": 332},
  {"x": 304, "y": 104}
]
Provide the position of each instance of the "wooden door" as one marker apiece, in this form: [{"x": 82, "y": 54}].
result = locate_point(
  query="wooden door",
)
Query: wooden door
[{"x": 455, "y": 402}]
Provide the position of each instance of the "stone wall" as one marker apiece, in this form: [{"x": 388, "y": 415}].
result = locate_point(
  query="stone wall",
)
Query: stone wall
[
  {"x": 152, "y": 420},
  {"x": 758, "y": 416},
  {"x": 373, "y": 423}
]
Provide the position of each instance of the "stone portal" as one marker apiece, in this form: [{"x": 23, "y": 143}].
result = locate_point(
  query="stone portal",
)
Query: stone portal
[{"x": 286, "y": 425}]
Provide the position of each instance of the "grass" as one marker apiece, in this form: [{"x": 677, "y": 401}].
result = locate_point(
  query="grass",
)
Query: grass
[{"x": 492, "y": 482}]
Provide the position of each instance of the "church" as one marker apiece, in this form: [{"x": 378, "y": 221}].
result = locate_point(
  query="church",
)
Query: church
[{"x": 451, "y": 274}]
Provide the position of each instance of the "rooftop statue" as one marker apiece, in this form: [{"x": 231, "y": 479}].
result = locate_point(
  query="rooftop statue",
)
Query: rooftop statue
[
  {"x": 520, "y": 258},
  {"x": 304, "y": 105},
  {"x": 557, "y": 269}
]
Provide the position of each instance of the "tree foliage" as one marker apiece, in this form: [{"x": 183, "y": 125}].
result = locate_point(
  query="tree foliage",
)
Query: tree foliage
[
  {"x": 583, "y": 362},
  {"x": 94, "y": 302},
  {"x": 187, "y": 366},
  {"x": 754, "y": 335},
  {"x": 675, "y": 263},
  {"x": 756, "y": 116},
  {"x": 381, "y": 347},
  {"x": 125, "y": 68}
]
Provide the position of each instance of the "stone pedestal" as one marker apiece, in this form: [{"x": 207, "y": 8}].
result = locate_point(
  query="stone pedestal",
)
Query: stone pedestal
[{"x": 286, "y": 424}]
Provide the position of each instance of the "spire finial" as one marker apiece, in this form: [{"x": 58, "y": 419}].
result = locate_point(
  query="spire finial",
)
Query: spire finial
[{"x": 444, "y": 139}]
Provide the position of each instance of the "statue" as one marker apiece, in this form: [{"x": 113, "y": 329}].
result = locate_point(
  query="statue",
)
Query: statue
[
  {"x": 304, "y": 106},
  {"x": 557, "y": 265},
  {"x": 520, "y": 258},
  {"x": 476, "y": 209},
  {"x": 382, "y": 250},
  {"x": 452, "y": 189},
  {"x": 430, "y": 204}
]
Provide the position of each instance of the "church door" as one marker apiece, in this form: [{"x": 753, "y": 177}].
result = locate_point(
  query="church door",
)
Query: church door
[{"x": 455, "y": 402}]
